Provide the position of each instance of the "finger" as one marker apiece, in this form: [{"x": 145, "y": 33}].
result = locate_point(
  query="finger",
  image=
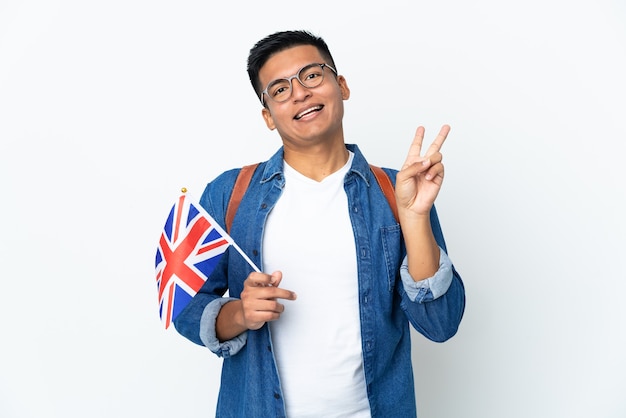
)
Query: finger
[
  {"x": 409, "y": 172},
  {"x": 276, "y": 278},
  {"x": 415, "y": 149},
  {"x": 416, "y": 168},
  {"x": 254, "y": 293},
  {"x": 261, "y": 279},
  {"x": 435, "y": 172},
  {"x": 266, "y": 305},
  {"x": 439, "y": 140},
  {"x": 278, "y": 293},
  {"x": 256, "y": 319},
  {"x": 432, "y": 159},
  {"x": 256, "y": 316}
]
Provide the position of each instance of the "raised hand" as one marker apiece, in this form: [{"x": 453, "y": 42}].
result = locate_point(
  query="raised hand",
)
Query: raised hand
[{"x": 419, "y": 181}]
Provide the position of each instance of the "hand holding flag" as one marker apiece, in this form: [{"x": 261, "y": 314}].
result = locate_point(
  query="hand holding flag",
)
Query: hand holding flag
[{"x": 190, "y": 247}]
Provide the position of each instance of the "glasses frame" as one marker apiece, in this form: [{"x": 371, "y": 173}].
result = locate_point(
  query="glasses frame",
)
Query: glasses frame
[{"x": 297, "y": 77}]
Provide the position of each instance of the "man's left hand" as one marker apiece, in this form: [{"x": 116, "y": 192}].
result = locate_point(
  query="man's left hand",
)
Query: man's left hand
[{"x": 419, "y": 181}]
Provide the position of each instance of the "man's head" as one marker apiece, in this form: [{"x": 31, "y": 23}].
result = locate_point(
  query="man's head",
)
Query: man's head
[
  {"x": 277, "y": 42},
  {"x": 302, "y": 93}
]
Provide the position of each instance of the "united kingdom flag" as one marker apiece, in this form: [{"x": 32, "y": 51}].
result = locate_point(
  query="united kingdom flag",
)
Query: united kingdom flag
[{"x": 190, "y": 247}]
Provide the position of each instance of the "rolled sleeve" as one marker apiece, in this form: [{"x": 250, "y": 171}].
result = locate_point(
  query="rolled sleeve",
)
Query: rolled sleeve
[
  {"x": 208, "y": 334},
  {"x": 431, "y": 288}
]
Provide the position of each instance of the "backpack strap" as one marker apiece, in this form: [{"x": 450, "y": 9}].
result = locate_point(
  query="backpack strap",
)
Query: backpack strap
[
  {"x": 239, "y": 189},
  {"x": 387, "y": 187},
  {"x": 245, "y": 175}
]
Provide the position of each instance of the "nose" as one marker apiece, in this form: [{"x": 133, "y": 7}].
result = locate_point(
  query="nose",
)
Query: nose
[{"x": 298, "y": 91}]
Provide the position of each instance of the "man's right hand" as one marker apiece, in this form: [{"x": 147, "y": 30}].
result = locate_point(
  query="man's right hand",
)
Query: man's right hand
[
  {"x": 257, "y": 305},
  {"x": 259, "y": 299}
]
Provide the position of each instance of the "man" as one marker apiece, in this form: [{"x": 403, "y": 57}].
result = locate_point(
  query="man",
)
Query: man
[{"x": 325, "y": 332}]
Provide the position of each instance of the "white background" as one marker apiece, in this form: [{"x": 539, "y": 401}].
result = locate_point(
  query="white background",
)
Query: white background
[{"x": 108, "y": 108}]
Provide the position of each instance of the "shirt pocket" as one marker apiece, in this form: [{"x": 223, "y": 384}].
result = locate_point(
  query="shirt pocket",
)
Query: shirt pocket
[{"x": 391, "y": 237}]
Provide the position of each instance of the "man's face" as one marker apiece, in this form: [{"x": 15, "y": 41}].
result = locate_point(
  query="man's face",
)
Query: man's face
[{"x": 310, "y": 115}]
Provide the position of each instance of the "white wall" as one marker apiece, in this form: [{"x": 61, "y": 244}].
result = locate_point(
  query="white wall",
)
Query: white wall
[{"x": 108, "y": 108}]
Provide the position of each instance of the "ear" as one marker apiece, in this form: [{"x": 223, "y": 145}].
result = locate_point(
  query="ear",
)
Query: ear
[
  {"x": 267, "y": 117},
  {"x": 343, "y": 86}
]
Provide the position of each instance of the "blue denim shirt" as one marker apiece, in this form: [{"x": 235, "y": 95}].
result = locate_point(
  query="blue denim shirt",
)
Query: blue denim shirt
[{"x": 389, "y": 299}]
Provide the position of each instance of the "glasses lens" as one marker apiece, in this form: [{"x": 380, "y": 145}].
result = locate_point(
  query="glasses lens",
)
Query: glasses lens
[
  {"x": 311, "y": 75},
  {"x": 279, "y": 90}
]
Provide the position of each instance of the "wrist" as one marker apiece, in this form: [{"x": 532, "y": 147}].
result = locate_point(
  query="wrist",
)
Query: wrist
[{"x": 409, "y": 216}]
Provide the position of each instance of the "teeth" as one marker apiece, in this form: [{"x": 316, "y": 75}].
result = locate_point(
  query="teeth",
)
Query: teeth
[{"x": 312, "y": 109}]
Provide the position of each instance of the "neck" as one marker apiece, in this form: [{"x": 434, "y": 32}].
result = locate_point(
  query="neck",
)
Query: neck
[{"x": 317, "y": 162}]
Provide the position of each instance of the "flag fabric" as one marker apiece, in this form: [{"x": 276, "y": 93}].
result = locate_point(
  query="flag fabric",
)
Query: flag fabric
[{"x": 190, "y": 246}]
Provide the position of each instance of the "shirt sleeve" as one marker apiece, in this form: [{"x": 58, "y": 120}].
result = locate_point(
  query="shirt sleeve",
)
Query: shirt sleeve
[
  {"x": 208, "y": 335},
  {"x": 428, "y": 289}
]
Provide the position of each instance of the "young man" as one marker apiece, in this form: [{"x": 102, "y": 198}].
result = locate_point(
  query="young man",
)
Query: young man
[{"x": 324, "y": 333}]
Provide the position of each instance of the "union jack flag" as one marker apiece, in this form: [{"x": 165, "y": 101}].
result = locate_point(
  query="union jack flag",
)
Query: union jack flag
[{"x": 190, "y": 247}]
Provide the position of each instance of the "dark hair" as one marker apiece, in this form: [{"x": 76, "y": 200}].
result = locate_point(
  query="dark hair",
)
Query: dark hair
[{"x": 277, "y": 42}]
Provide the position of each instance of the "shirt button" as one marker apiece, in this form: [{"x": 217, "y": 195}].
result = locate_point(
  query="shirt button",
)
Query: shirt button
[
  {"x": 255, "y": 252},
  {"x": 276, "y": 395},
  {"x": 263, "y": 205}
]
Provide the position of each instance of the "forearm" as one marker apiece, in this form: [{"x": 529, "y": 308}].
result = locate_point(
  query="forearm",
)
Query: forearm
[
  {"x": 229, "y": 322},
  {"x": 421, "y": 246}
]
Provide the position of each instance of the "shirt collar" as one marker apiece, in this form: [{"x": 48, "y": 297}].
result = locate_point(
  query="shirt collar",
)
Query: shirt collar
[{"x": 360, "y": 166}]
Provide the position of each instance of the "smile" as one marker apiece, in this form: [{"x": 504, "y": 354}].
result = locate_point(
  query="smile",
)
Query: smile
[{"x": 308, "y": 111}]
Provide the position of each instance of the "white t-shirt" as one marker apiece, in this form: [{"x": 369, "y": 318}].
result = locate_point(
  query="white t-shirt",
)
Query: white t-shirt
[{"x": 317, "y": 340}]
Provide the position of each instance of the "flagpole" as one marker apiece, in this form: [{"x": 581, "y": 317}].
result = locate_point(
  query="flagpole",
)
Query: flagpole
[
  {"x": 245, "y": 257},
  {"x": 226, "y": 235}
]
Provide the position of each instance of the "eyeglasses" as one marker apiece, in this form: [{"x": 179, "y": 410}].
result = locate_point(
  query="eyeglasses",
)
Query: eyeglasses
[{"x": 310, "y": 76}]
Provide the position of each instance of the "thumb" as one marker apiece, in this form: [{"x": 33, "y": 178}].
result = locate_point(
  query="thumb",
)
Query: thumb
[{"x": 276, "y": 278}]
